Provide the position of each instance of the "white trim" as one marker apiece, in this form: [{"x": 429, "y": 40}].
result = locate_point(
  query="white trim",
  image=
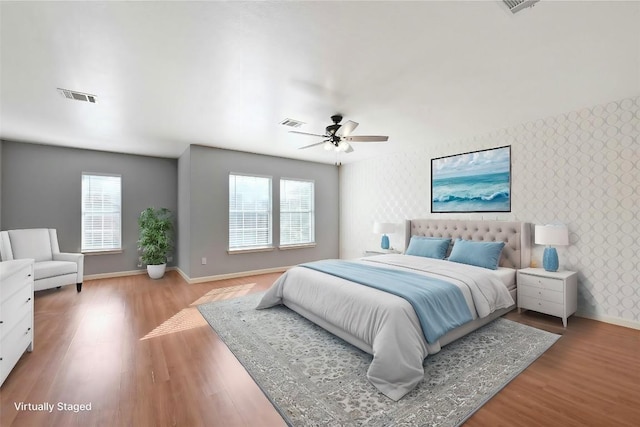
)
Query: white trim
[
  {"x": 102, "y": 252},
  {"x": 118, "y": 274},
  {"x": 182, "y": 274},
  {"x": 610, "y": 319},
  {"x": 186, "y": 278},
  {"x": 297, "y": 246},
  {"x": 250, "y": 250},
  {"x": 231, "y": 275}
]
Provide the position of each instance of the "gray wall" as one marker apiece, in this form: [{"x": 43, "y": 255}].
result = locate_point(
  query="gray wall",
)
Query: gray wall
[
  {"x": 184, "y": 212},
  {"x": 208, "y": 195},
  {"x": 41, "y": 187}
]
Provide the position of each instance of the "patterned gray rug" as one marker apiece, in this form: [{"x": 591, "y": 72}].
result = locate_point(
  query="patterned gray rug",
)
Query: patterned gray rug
[{"x": 315, "y": 379}]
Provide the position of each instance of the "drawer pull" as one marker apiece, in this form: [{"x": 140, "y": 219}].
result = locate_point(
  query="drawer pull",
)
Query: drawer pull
[
  {"x": 28, "y": 329},
  {"x": 29, "y": 275},
  {"x": 1, "y": 322},
  {"x": 28, "y": 299}
]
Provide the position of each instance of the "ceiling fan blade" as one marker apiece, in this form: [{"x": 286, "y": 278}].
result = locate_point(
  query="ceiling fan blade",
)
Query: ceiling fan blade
[
  {"x": 346, "y": 128},
  {"x": 306, "y": 133},
  {"x": 312, "y": 145},
  {"x": 367, "y": 138}
]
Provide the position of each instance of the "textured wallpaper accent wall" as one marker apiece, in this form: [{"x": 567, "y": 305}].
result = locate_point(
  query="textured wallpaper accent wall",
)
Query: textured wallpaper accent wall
[{"x": 580, "y": 168}]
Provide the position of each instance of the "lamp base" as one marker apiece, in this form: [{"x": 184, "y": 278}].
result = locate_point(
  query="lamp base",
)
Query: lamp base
[
  {"x": 550, "y": 259},
  {"x": 385, "y": 242}
]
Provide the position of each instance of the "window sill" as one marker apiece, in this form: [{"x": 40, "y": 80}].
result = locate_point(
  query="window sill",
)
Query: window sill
[
  {"x": 103, "y": 252},
  {"x": 301, "y": 246},
  {"x": 250, "y": 250}
]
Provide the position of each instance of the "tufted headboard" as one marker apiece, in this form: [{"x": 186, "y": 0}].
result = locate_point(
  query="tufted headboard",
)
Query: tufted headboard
[{"x": 516, "y": 235}]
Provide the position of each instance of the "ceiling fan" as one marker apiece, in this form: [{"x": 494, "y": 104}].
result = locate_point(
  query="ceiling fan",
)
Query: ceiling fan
[{"x": 338, "y": 137}]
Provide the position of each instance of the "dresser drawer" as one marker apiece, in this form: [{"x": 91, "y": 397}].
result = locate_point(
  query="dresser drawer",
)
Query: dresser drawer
[
  {"x": 540, "y": 293},
  {"x": 541, "y": 306},
  {"x": 12, "y": 309},
  {"x": 14, "y": 344},
  {"x": 541, "y": 282},
  {"x": 12, "y": 284}
]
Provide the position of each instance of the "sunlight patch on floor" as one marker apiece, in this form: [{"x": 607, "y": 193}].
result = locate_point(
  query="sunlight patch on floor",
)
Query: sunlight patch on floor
[
  {"x": 224, "y": 293},
  {"x": 186, "y": 318},
  {"x": 190, "y": 317}
]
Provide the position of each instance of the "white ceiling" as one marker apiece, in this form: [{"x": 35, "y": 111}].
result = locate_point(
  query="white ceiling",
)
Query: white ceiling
[{"x": 224, "y": 74}]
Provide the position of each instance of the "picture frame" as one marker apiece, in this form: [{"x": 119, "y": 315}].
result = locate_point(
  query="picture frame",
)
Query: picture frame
[{"x": 476, "y": 181}]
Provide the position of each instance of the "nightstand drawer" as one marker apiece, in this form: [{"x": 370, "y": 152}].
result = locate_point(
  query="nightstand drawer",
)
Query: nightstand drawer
[
  {"x": 13, "y": 308},
  {"x": 540, "y": 293},
  {"x": 541, "y": 306},
  {"x": 14, "y": 344},
  {"x": 12, "y": 284},
  {"x": 541, "y": 282}
]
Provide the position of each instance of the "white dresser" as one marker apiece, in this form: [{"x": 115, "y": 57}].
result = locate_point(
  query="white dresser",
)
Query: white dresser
[
  {"x": 16, "y": 313},
  {"x": 554, "y": 293}
]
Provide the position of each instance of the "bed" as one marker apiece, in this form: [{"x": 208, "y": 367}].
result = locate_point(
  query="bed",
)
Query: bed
[{"x": 389, "y": 327}]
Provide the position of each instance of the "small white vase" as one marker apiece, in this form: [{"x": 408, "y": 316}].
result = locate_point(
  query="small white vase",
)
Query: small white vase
[{"x": 156, "y": 271}]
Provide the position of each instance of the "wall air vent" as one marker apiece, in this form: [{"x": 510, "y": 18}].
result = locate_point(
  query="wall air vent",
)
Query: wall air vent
[
  {"x": 78, "y": 96},
  {"x": 292, "y": 123},
  {"x": 517, "y": 5}
]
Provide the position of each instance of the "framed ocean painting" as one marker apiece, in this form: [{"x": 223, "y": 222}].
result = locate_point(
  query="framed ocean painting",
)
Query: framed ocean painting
[{"x": 479, "y": 181}]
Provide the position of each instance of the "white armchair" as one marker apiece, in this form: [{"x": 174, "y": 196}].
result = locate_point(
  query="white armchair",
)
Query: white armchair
[{"x": 52, "y": 268}]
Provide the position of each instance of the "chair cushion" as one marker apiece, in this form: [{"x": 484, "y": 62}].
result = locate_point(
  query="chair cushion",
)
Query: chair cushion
[
  {"x": 46, "y": 269},
  {"x": 31, "y": 243}
]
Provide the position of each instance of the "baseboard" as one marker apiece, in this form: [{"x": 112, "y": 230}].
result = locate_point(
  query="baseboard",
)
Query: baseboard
[
  {"x": 186, "y": 278},
  {"x": 610, "y": 319},
  {"x": 217, "y": 277},
  {"x": 182, "y": 274},
  {"x": 118, "y": 274}
]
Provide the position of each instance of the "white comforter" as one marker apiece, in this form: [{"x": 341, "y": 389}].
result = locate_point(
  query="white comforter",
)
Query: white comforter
[{"x": 383, "y": 324}]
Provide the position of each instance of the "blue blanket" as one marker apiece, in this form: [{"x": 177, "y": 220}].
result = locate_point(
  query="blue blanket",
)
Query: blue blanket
[{"x": 439, "y": 305}]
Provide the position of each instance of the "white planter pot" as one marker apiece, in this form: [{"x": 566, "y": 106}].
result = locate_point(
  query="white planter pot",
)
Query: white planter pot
[{"x": 156, "y": 271}]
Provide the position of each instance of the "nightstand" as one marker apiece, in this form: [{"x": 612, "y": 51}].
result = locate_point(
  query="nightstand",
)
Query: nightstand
[
  {"x": 549, "y": 292},
  {"x": 370, "y": 252}
]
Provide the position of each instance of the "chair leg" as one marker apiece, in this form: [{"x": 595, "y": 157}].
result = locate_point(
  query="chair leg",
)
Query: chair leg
[{"x": 79, "y": 287}]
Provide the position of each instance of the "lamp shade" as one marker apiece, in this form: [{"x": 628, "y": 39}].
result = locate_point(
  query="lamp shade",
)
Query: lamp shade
[
  {"x": 552, "y": 235},
  {"x": 383, "y": 227}
]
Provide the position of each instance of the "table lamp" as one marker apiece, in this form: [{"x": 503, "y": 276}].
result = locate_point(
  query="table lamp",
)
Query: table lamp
[
  {"x": 551, "y": 235},
  {"x": 384, "y": 228}
]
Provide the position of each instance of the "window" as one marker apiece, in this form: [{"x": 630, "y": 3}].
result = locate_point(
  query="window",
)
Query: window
[
  {"x": 249, "y": 212},
  {"x": 297, "y": 216},
  {"x": 101, "y": 212}
]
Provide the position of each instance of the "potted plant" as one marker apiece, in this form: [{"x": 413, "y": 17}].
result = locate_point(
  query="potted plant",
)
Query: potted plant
[{"x": 155, "y": 243}]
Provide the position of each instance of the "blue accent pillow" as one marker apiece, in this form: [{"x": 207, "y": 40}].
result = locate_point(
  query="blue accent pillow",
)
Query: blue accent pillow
[
  {"x": 429, "y": 247},
  {"x": 480, "y": 254}
]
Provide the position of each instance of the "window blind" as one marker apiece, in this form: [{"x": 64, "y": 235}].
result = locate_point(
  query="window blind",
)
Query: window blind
[
  {"x": 101, "y": 212},
  {"x": 297, "y": 215},
  {"x": 249, "y": 211}
]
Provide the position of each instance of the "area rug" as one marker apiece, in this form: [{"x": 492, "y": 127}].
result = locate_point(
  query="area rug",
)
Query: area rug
[{"x": 316, "y": 379}]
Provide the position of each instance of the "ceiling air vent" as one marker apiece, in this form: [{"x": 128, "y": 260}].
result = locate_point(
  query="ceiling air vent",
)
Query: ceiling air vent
[
  {"x": 78, "y": 96},
  {"x": 517, "y": 5},
  {"x": 292, "y": 123}
]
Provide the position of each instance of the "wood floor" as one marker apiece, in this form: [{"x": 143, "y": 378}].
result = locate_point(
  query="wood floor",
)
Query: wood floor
[{"x": 141, "y": 355}]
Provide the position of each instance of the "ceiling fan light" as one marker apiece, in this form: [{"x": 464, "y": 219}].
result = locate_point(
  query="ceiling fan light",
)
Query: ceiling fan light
[
  {"x": 328, "y": 146},
  {"x": 342, "y": 146}
]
